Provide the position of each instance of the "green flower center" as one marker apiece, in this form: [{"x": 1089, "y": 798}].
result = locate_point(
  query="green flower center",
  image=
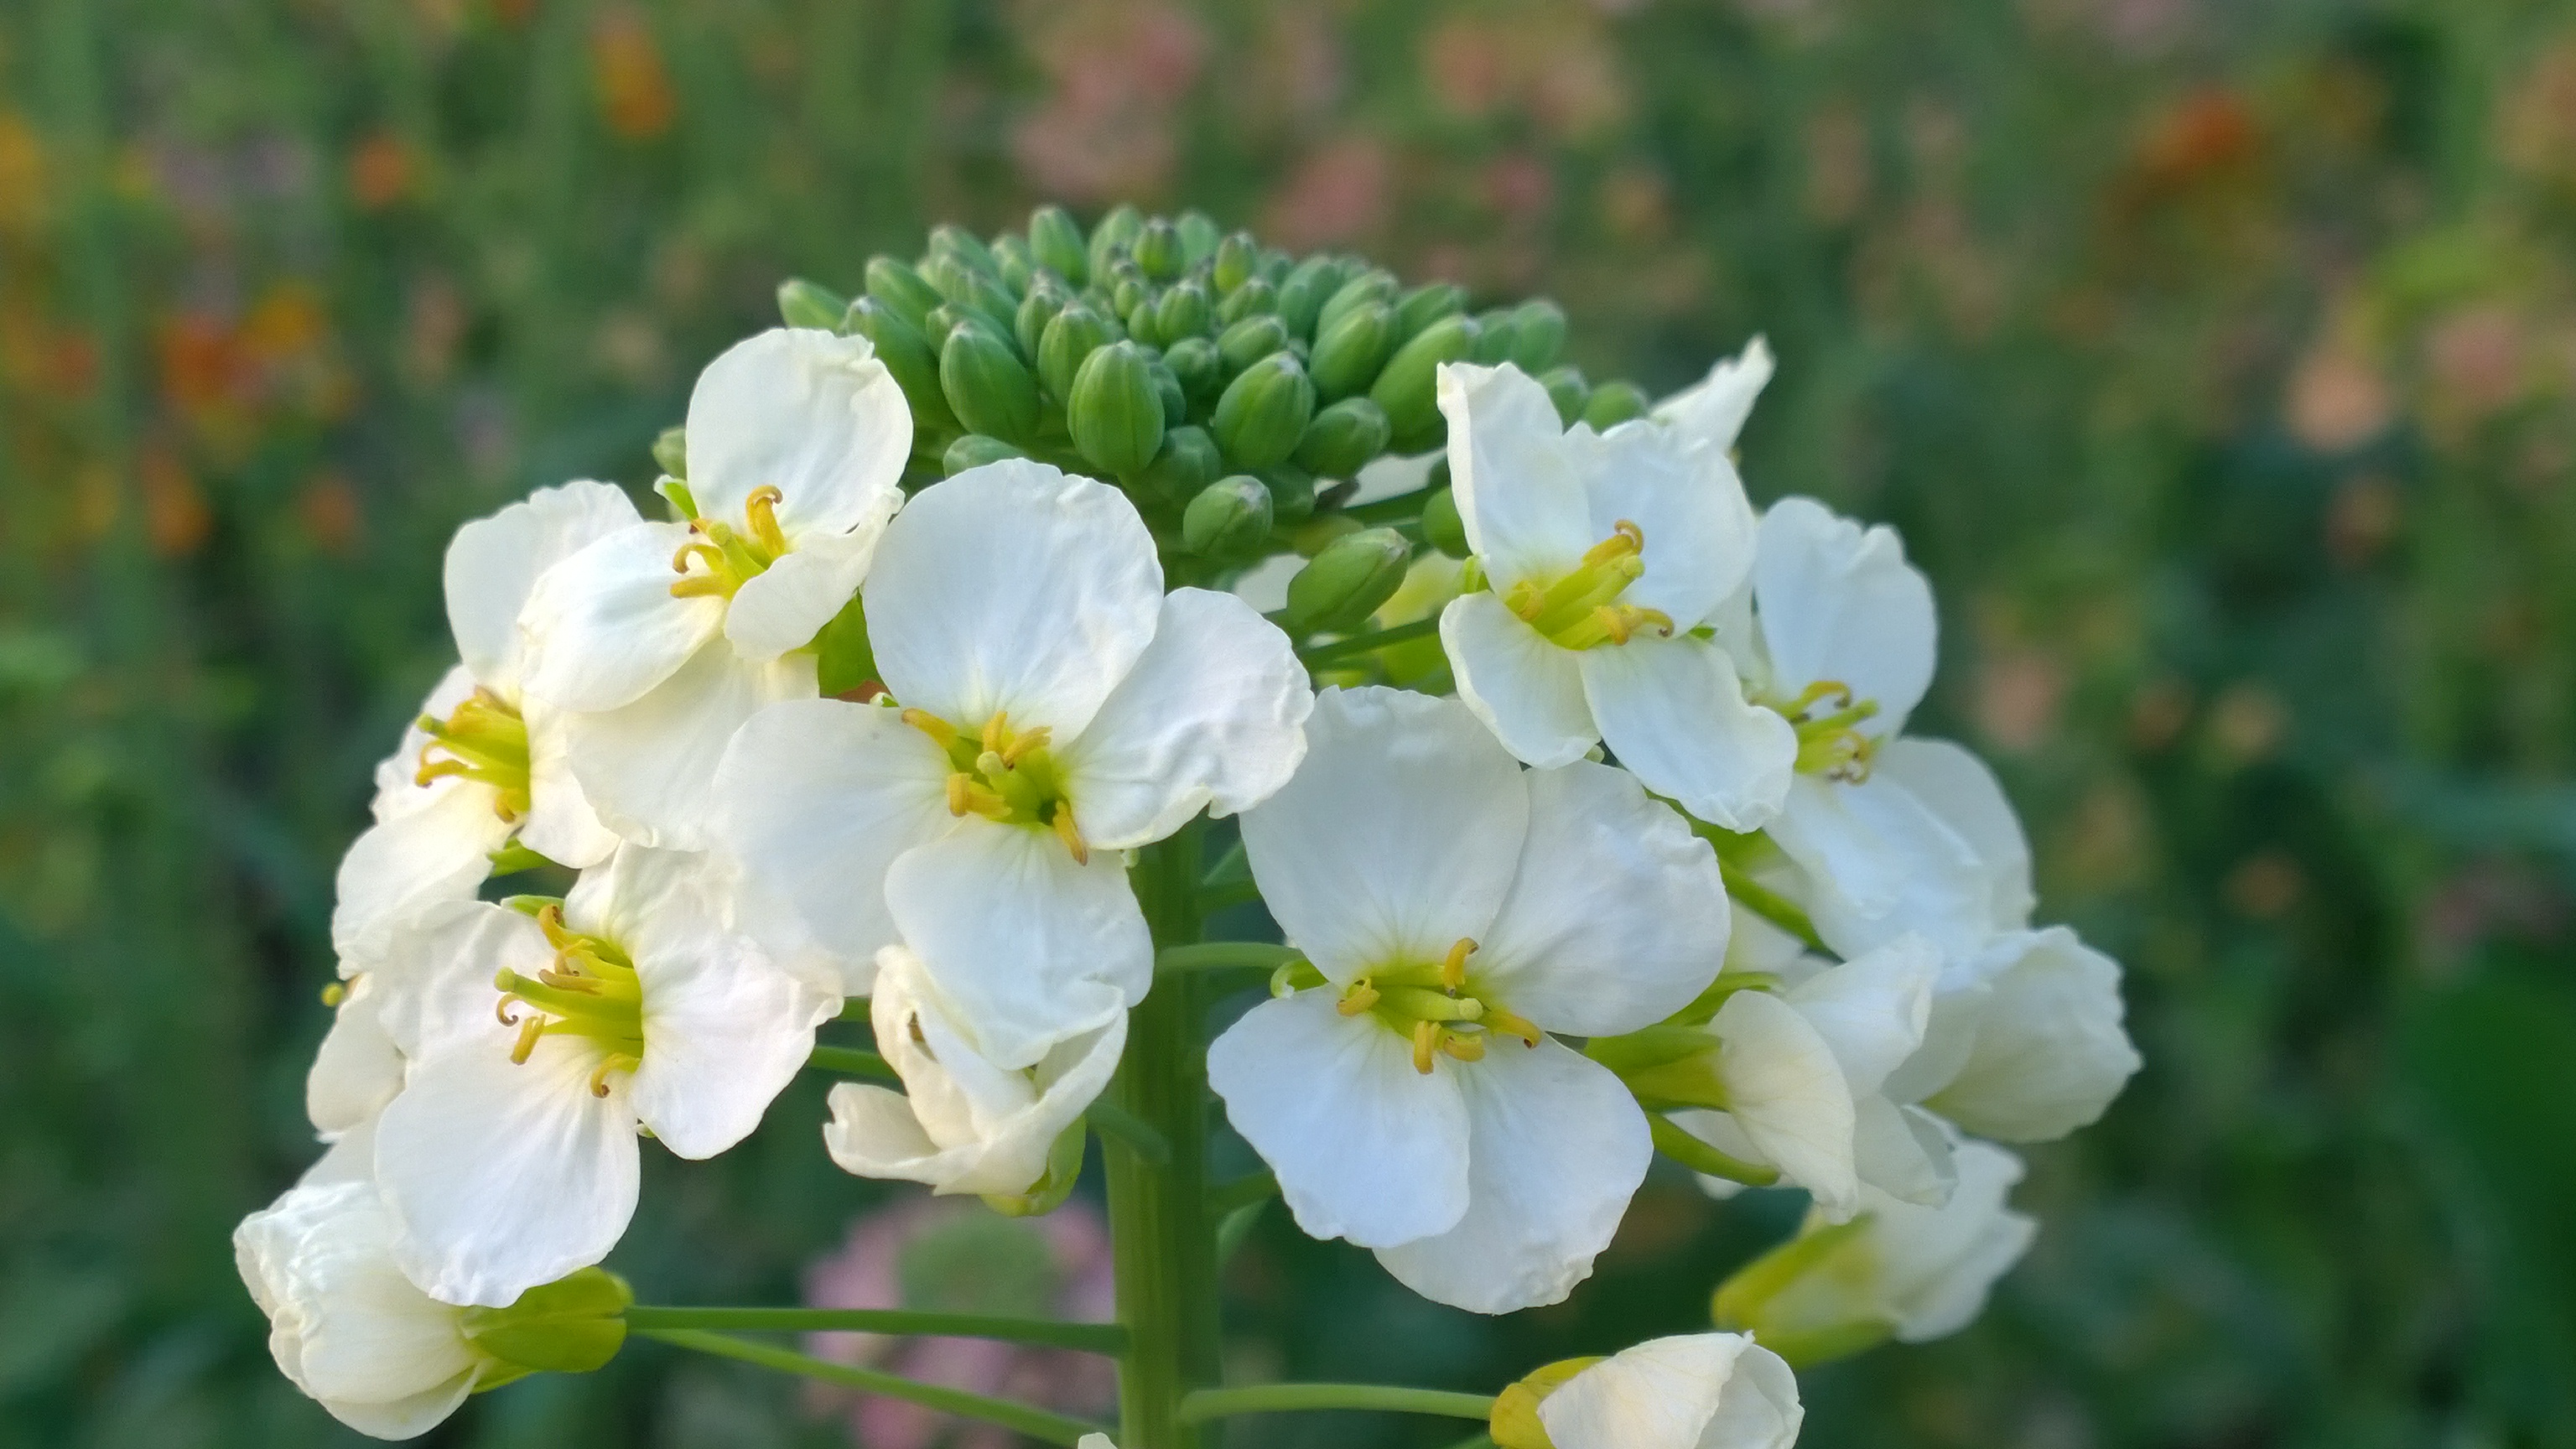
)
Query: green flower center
[
  {"x": 1006, "y": 775},
  {"x": 727, "y": 557},
  {"x": 590, "y": 991},
  {"x": 482, "y": 740},
  {"x": 1436, "y": 1005},
  {"x": 1830, "y": 741},
  {"x": 1582, "y": 610}
]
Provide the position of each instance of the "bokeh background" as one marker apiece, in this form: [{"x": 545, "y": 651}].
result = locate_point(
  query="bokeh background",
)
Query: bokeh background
[{"x": 2217, "y": 359}]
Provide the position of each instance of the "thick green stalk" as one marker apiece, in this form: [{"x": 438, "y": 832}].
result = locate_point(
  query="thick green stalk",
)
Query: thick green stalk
[
  {"x": 1163, "y": 1235},
  {"x": 1106, "y": 1338}
]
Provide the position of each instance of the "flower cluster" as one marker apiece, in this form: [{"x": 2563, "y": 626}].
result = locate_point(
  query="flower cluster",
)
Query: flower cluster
[{"x": 1577, "y": 789}]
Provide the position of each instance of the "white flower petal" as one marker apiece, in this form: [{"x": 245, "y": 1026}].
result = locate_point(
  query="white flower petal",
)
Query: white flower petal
[
  {"x": 1013, "y": 588},
  {"x": 649, "y": 768},
  {"x": 434, "y": 982},
  {"x": 1673, "y": 711},
  {"x": 1879, "y": 864},
  {"x": 1367, "y": 1149},
  {"x": 493, "y": 562},
  {"x": 1519, "y": 492},
  {"x": 1527, "y": 690},
  {"x": 725, "y": 1031},
  {"x": 1699, "y": 1391},
  {"x": 1963, "y": 794},
  {"x": 1026, "y": 946},
  {"x": 1617, "y": 915},
  {"x": 504, "y": 1175},
  {"x": 808, "y": 412},
  {"x": 1686, "y": 499},
  {"x": 398, "y": 787},
  {"x": 560, "y": 824},
  {"x": 1786, "y": 1091},
  {"x": 1940, "y": 1264},
  {"x": 814, "y": 799},
  {"x": 1840, "y": 603},
  {"x": 1904, "y": 1152},
  {"x": 1211, "y": 718},
  {"x": 1555, "y": 1149},
  {"x": 602, "y": 627},
  {"x": 357, "y": 1069},
  {"x": 2050, "y": 1049},
  {"x": 1397, "y": 837},
  {"x": 1872, "y": 1009},
  {"x": 400, "y": 866},
  {"x": 1712, "y": 411},
  {"x": 786, "y": 605}
]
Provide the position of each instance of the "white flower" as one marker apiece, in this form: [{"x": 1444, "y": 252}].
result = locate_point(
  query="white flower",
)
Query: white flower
[
  {"x": 661, "y": 638},
  {"x": 1057, "y": 709},
  {"x": 1694, "y": 1391},
  {"x": 1916, "y": 1273},
  {"x": 1606, "y": 554},
  {"x": 961, "y": 1124},
  {"x": 537, "y": 1046},
  {"x": 1458, "y": 910},
  {"x": 345, "y": 1325},
  {"x": 482, "y": 763},
  {"x": 1713, "y": 410},
  {"x": 358, "y": 1068},
  {"x": 2035, "y": 1045}
]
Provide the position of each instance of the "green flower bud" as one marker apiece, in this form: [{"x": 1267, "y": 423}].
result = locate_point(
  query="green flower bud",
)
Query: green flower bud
[
  {"x": 1347, "y": 581},
  {"x": 943, "y": 319},
  {"x": 1194, "y": 361},
  {"x": 1055, "y": 240},
  {"x": 1255, "y": 297},
  {"x": 972, "y": 290},
  {"x": 1567, "y": 389},
  {"x": 897, "y": 285},
  {"x": 1187, "y": 462},
  {"x": 1538, "y": 327},
  {"x": 1129, "y": 294},
  {"x": 1292, "y": 494},
  {"x": 986, "y": 384},
  {"x": 1427, "y": 304},
  {"x": 1263, "y": 412},
  {"x": 1407, "y": 388},
  {"x": 1183, "y": 312},
  {"x": 1157, "y": 249},
  {"x": 1442, "y": 528},
  {"x": 1514, "y": 1423},
  {"x": 1250, "y": 340},
  {"x": 1141, "y": 321},
  {"x": 1615, "y": 402},
  {"x": 1303, "y": 291},
  {"x": 1074, "y": 335},
  {"x": 1496, "y": 332},
  {"x": 570, "y": 1326},
  {"x": 1343, "y": 437},
  {"x": 1111, "y": 238},
  {"x": 1349, "y": 352},
  {"x": 671, "y": 452},
  {"x": 951, "y": 240},
  {"x": 1013, "y": 264},
  {"x": 1375, "y": 285},
  {"x": 1200, "y": 237},
  {"x": 907, "y": 355},
  {"x": 1114, "y": 412},
  {"x": 1318, "y": 533},
  {"x": 1228, "y": 519},
  {"x": 974, "y": 450},
  {"x": 808, "y": 304},
  {"x": 1237, "y": 258},
  {"x": 1037, "y": 309},
  {"x": 1167, "y": 386}
]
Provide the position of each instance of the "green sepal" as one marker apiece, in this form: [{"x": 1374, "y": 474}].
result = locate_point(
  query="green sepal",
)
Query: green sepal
[
  {"x": 1064, "y": 1166},
  {"x": 1346, "y": 581},
  {"x": 1111, "y": 237},
  {"x": 1427, "y": 304},
  {"x": 1013, "y": 264},
  {"x": 671, "y": 452},
  {"x": 1037, "y": 309},
  {"x": 810, "y": 304},
  {"x": 1115, "y": 412},
  {"x": 1538, "y": 335},
  {"x": 844, "y": 660},
  {"x": 1194, "y": 362},
  {"x": 1077, "y": 332},
  {"x": 907, "y": 356},
  {"x": 1292, "y": 494},
  {"x": 570, "y": 1326},
  {"x": 1254, "y": 298},
  {"x": 515, "y": 857},
  {"x": 974, "y": 450},
  {"x": 1157, "y": 249},
  {"x": 1249, "y": 340},
  {"x": 1567, "y": 388},
  {"x": 1184, "y": 311},
  {"x": 1615, "y": 402},
  {"x": 1703, "y": 1159},
  {"x": 1200, "y": 237},
  {"x": 971, "y": 290},
  {"x": 1229, "y": 518},
  {"x": 1375, "y": 285},
  {"x": 1340, "y": 439},
  {"x": 1238, "y": 259},
  {"x": 1167, "y": 387},
  {"x": 1302, "y": 293},
  {"x": 951, "y": 240},
  {"x": 1495, "y": 334},
  {"x": 1187, "y": 462},
  {"x": 1740, "y": 1303}
]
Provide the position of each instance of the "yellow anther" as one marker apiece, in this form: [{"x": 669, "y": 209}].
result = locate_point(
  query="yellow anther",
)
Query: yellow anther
[
  {"x": 571, "y": 981},
  {"x": 941, "y": 732},
  {"x": 613, "y": 1062},
  {"x": 335, "y": 993},
  {"x": 997, "y": 732},
  {"x": 501, "y": 1009},
  {"x": 969, "y": 796},
  {"x": 701, "y": 586},
  {"x": 1025, "y": 745},
  {"x": 760, "y": 510},
  {"x": 529, "y": 1030},
  {"x": 550, "y": 920},
  {"x": 1426, "y": 1045},
  {"x": 1497, "y": 1019},
  {"x": 1466, "y": 1046},
  {"x": 1626, "y": 540},
  {"x": 1070, "y": 834},
  {"x": 1823, "y": 689},
  {"x": 1453, "y": 969},
  {"x": 1358, "y": 997}
]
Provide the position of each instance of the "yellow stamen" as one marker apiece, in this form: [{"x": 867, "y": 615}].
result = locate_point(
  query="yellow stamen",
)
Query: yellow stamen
[
  {"x": 613, "y": 1062},
  {"x": 1453, "y": 970},
  {"x": 1025, "y": 745},
  {"x": 1465, "y": 1046},
  {"x": 760, "y": 510},
  {"x": 1497, "y": 1019},
  {"x": 1625, "y": 541},
  {"x": 1426, "y": 1044},
  {"x": 529, "y": 1031},
  {"x": 1361, "y": 996},
  {"x": 941, "y": 732},
  {"x": 1070, "y": 834}
]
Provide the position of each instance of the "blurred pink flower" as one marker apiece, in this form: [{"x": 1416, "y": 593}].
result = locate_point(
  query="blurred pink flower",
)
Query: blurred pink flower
[
  {"x": 1116, "y": 71},
  {"x": 892, "y": 1259},
  {"x": 1338, "y": 195}
]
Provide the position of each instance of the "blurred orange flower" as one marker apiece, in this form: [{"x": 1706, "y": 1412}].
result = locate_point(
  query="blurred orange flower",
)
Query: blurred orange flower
[
  {"x": 380, "y": 171},
  {"x": 635, "y": 96}
]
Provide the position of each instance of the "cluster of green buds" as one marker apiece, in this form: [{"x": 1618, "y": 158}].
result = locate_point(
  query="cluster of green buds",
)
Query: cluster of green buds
[{"x": 1232, "y": 390}]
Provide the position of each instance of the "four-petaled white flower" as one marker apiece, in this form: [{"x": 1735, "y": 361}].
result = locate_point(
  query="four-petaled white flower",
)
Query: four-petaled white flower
[
  {"x": 345, "y": 1325},
  {"x": 1057, "y": 709},
  {"x": 961, "y": 1123},
  {"x": 482, "y": 763},
  {"x": 536, "y": 1046},
  {"x": 1460, "y": 909},
  {"x": 1606, "y": 554},
  {"x": 1693, "y": 1391},
  {"x": 661, "y": 638}
]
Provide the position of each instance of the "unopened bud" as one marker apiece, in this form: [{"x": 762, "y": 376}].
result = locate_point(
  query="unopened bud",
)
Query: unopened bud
[
  {"x": 1615, "y": 402},
  {"x": 1263, "y": 412},
  {"x": 1249, "y": 341},
  {"x": 1496, "y": 331},
  {"x": 1349, "y": 352},
  {"x": 1319, "y": 532},
  {"x": 1055, "y": 239},
  {"x": 1567, "y": 389},
  {"x": 1013, "y": 264},
  {"x": 1237, "y": 258},
  {"x": 907, "y": 355},
  {"x": 951, "y": 240},
  {"x": 986, "y": 384},
  {"x": 1346, "y": 582},
  {"x": 1292, "y": 494},
  {"x": 1538, "y": 335},
  {"x": 1343, "y": 437},
  {"x": 1302, "y": 293},
  {"x": 1167, "y": 386},
  {"x": 941, "y": 320},
  {"x": 1442, "y": 528},
  {"x": 671, "y": 452},
  {"x": 1427, "y": 304},
  {"x": 1407, "y": 389},
  {"x": 897, "y": 285},
  {"x": 1111, "y": 237},
  {"x": 810, "y": 304},
  {"x": 972, "y": 289},
  {"x": 1255, "y": 297},
  {"x": 1114, "y": 413},
  {"x": 1375, "y": 285},
  {"x": 1187, "y": 462},
  {"x": 1037, "y": 309},
  {"x": 974, "y": 450},
  {"x": 1157, "y": 249},
  {"x": 1194, "y": 361},
  {"x": 1183, "y": 312},
  {"x": 1134, "y": 300},
  {"x": 1228, "y": 519},
  {"x": 1074, "y": 335},
  {"x": 572, "y": 1326},
  {"x": 1514, "y": 1423}
]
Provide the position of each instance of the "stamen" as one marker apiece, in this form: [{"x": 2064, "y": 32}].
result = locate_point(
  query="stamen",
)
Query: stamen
[
  {"x": 1497, "y": 1019},
  {"x": 335, "y": 993},
  {"x": 613, "y": 1062},
  {"x": 701, "y": 586},
  {"x": 1453, "y": 970},
  {"x": 529, "y": 1031},
  {"x": 571, "y": 981},
  {"x": 997, "y": 732},
  {"x": 1466, "y": 1046},
  {"x": 1426, "y": 1043},
  {"x": 698, "y": 548},
  {"x": 1071, "y": 835},
  {"x": 1358, "y": 997},
  {"x": 1027, "y": 744},
  {"x": 1626, "y": 540},
  {"x": 760, "y": 510},
  {"x": 501, "y": 1008},
  {"x": 941, "y": 732}
]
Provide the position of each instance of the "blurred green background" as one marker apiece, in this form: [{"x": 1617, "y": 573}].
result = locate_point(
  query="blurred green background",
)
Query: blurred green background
[{"x": 2218, "y": 360}]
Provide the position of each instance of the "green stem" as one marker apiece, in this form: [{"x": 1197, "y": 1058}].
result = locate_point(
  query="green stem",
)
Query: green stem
[
  {"x": 1044, "y": 1333},
  {"x": 1401, "y": 508},
  {"x": 1036, "y": 1423},
  {"x": 855, "y": 1009},
  {"x": 852, "y": 1062},
  {"x": 1278, "y": 1398},
  {"x": 1771, "y": 906},
  {"x": 1226, "y": 955},
  {"x": 1701, "y": 1158},
  {"x": 1111, "y": 1120},
  {"x": 1162, "y": 1234},
  {"x": 1325, "y": 653},
  {"x": 1250, "y": 1188}
]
